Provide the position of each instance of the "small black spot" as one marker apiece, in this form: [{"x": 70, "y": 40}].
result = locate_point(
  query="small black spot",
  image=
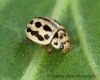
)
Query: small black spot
[
  {"x": 61, "y": 46},
  {"x": 61, "y": 36},
  {"x": 47, "y": 28},
  {"x": 56, "y": 35},
  {"x": 38, "y": 24},
  {"x": 31, "y": 22},
  {"x": 35, "y": 33},
  {"x": 65, "y": 35},
  {"x": 55, "y": 43},
  {"x": 46, "y": 36}
]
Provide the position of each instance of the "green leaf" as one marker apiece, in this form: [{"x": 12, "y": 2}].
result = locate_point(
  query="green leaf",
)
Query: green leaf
[{"x": 29, "y": 61}]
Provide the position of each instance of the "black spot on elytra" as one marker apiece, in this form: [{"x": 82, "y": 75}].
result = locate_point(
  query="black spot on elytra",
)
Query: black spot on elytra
[
  {"x": 55, "y": 43},
  {"x": 35, "y": 33},
  {"x": 46, "y": 36},
  {"x": 47, "y": 28},
  {"x": 29, "y": 30},
  {"x": 38, "y": 24},
  {"x": 47, "y": 20},
  {"x": 56, "y": 35},
  {"x": 31, "y": 22}
]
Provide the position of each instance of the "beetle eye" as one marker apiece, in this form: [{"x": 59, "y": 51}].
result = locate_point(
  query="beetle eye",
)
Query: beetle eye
[{"x": 61, "y": 46}]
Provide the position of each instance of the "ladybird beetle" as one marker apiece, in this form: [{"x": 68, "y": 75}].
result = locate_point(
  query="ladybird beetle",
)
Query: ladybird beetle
[{"x": 47, "y": 31}]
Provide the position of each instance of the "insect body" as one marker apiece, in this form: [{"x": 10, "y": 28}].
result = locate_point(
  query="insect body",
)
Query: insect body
[{"x": 47, "y": 31}]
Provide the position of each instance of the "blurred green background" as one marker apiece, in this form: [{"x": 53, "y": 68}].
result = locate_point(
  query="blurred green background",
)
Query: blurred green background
[{"x": 29, "y": 61}]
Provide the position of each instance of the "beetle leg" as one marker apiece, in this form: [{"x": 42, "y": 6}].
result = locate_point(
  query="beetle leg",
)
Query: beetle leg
[{"x": 50, "y": 49}]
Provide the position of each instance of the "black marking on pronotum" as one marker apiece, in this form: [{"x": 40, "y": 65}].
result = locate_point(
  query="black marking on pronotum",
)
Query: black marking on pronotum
[
  {"x": 35, "y": 33},
  {"x": 38, "y": 24},
  {"x": 49, "y": 21},
  {"x": 31, "y": 22},
  {"x": 55, "y": 43},
  {"x": 56, "y": 35},
  {"x": 47, "y": 28},
  {"x": 61, "y": 37},
  {"x": 46, "y": 36}
]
